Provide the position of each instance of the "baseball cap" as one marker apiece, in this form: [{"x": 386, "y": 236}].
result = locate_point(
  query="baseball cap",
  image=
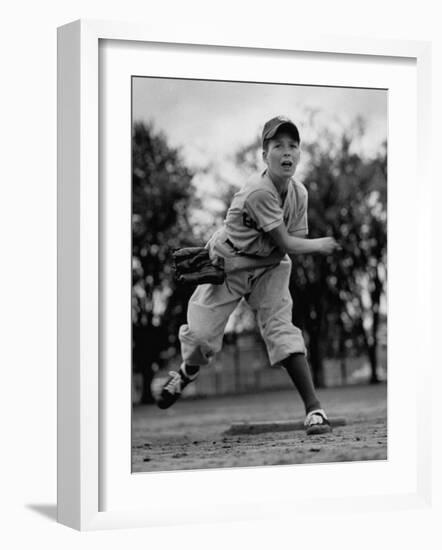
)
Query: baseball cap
[{"x": 273, "y": 125}]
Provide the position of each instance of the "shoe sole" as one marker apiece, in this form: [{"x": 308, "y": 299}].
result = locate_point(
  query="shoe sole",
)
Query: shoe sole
[
  {"x": 163, "y": 406},
  {"x": 166, "y": 402}
]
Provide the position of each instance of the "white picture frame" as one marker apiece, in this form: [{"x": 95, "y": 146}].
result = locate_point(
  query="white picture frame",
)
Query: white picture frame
[{"x": 81, "y": 473}]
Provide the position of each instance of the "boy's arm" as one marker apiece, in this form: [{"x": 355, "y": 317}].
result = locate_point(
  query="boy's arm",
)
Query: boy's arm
[{"x": 298, "y": 245}]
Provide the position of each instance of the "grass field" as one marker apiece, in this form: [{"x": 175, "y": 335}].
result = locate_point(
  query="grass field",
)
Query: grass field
[{"x": 191, "y": 434}]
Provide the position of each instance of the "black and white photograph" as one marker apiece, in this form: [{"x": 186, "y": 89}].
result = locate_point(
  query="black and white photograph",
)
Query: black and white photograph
[
  {"x": 259, "y": 274},
  {"x": 221, "y": 287}
]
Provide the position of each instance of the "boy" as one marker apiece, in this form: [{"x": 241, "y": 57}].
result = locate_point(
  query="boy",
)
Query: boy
[{"x": 265, "y": 224}]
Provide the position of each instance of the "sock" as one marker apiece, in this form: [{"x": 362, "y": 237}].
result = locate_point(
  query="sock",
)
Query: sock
[
  {"x": 299, "y": 371},
  {"x": 190, "y": 370}
]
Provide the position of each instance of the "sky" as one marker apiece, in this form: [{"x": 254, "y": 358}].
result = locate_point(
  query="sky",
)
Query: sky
[{"x": 210, "y": 120}]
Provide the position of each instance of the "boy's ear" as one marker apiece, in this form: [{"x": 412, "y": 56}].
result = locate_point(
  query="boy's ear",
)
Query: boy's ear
[{"x": 264, "y": 155}]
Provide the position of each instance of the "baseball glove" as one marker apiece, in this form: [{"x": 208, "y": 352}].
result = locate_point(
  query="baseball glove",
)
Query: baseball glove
[{"x": 193, "y": 266}]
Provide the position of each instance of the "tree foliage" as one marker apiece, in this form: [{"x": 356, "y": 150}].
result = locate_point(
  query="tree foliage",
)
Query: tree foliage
[
  {"x": 162, "y": 195},
  {"x": 342, "y": 293}
]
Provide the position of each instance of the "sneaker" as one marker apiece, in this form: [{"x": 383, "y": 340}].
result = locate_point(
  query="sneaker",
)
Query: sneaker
[
  {"x": 317, "y": 423},
  {"x": 173, "y": 388}
]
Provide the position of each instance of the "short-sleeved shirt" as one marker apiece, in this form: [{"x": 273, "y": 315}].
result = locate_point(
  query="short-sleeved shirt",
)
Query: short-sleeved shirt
[{"x": 258, "y": 208}]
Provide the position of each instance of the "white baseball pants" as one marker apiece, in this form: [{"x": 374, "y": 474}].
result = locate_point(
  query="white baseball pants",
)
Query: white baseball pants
[{"x": 267, "y": 292}]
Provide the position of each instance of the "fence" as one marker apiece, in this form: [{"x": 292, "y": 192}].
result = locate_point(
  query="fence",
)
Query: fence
[{"x": 243, "y": 367}]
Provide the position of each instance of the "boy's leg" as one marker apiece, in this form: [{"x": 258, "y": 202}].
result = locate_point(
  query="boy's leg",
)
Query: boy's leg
[
  {"x": 299, "y": 371},
  {"x": 297, "y": 367},
  {"x": 272, "y": 301},
  {"x": 207, "y": 314}
]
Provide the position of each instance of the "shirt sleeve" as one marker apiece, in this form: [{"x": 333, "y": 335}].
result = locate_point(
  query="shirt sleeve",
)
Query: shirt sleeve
[
  {"x": 299, "y": 226},
  {"x": 264, "y": 209}
]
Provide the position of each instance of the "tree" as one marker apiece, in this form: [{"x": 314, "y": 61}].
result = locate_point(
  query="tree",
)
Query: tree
[
  {"x": 162, "y": 195},
  {"x": 342, "y": 294}
]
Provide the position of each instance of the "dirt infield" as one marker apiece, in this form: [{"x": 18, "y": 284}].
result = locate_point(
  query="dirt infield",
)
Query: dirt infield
[{"x": 191, "y": 435}]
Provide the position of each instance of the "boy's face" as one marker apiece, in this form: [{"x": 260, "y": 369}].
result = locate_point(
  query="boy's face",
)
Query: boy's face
[{"x": 282, "y": 155}]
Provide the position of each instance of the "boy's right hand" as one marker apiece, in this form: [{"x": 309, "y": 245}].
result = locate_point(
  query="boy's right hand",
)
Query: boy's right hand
[{"x": 327, "y": 245}]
